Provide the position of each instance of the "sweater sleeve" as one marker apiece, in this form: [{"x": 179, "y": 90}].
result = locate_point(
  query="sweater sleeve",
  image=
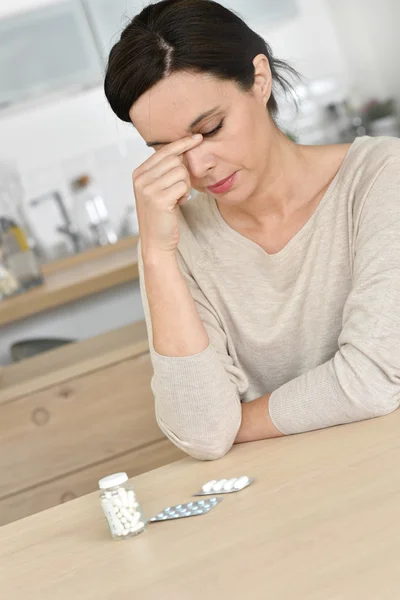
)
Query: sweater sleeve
[
  {"x": 197, "y": 398},
  {"x": 362, "y": 380}
]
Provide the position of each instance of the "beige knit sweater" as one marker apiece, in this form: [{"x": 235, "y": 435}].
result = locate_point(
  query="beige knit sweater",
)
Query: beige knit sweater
[{"x": 317, "y": 324}]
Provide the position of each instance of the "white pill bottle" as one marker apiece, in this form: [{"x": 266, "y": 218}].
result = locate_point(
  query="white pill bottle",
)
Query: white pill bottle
[{"x": 121, "y": 508}]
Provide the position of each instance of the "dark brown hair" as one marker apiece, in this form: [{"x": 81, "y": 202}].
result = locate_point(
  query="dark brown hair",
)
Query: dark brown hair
[{"x": 186, "y": 35}]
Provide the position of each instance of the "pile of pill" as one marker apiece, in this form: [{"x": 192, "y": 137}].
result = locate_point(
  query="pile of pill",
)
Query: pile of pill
[
  {"x": 224, "y": 486},
  {"x": 122, "y": 512},
  {"x": 190, "y": 509}
]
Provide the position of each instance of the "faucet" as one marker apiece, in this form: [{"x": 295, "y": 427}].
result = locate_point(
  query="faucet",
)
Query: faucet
[{"x": 68, "y": 228}]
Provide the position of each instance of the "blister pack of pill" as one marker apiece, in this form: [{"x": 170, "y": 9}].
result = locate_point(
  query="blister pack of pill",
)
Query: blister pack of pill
[
  {"x": 224, "y": 486},
  {"x": 190, "y": 509}
]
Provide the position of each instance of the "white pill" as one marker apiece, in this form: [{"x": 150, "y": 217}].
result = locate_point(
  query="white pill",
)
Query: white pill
[
  {"x": 123, "y": 495},
  {"x": 125, "y": 532},
  {"x": 136, "y": 527},
  {"x": 207, "y": 487},
  {"x": 117, "y": 501},
  {"x": 241, "y": 482},
  {"x": 217, "y": 487},
  {"x": 136, "y": 516},
  {"x": 123, "y": 520},
  {"x": 228, "y": 487},
  {"x": 115, "y": 523},
  {"x": 108, "y": 494},
  {"x": 126, "y": 514},
  {"x": 131, "y": 498}
]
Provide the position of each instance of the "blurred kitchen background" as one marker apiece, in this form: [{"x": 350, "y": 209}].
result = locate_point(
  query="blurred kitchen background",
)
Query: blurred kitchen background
[{"x": 66, "y": 161}]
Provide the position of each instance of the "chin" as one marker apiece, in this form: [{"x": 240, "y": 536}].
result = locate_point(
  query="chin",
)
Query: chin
[{"x": 235, "y": 197}]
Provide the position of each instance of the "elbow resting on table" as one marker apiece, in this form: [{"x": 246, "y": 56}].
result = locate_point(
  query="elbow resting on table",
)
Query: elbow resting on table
[
  {"x": 386, "y": 407},
  {"x": 212, "y": 447},
  {"x": 379, "y": 404}
]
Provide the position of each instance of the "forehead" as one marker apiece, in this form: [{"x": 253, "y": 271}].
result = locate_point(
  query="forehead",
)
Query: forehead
[{"x": 167, "y": 109}]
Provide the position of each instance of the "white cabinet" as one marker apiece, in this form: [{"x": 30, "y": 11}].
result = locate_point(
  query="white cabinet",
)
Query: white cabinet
[
  {"x": 46, "y": 50},
  {"x": 109, "y": 18}
]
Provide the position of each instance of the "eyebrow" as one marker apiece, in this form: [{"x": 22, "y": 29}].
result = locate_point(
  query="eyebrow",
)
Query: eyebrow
[{"x": 192, "y": 125}]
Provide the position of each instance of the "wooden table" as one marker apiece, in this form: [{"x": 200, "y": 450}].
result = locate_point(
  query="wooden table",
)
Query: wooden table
[
  {"x": 321, "y": 522},
  {"x": 75, "y": 277}
]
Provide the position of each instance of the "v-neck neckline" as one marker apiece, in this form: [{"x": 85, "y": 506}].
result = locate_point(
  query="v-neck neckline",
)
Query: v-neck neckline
[{"x": 299, "y": 235}]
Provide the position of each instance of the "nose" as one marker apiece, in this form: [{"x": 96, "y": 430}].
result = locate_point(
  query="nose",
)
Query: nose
[{"x": 199, "y": 161}]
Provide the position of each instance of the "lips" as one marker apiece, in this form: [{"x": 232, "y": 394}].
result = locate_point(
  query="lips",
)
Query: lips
[{"x": 224, "y": 185}]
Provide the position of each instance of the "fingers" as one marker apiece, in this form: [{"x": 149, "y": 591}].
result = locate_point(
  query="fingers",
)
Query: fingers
[
  {"x": 173, "y": 176},
  {"x": 175, "y": 149},
  {"x": 176, "y": 176},
  {"x": 160, "y": 169}
]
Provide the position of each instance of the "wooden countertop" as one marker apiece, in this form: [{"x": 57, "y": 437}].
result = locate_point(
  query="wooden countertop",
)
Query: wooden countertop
[
  {"x": 70, "y": 361},
  {"x": 320, "y": 522},
  {"x": 75, "y": 277}
]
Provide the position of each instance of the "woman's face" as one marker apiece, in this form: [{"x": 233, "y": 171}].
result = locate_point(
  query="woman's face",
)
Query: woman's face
[{"x": 237, "y": 130}]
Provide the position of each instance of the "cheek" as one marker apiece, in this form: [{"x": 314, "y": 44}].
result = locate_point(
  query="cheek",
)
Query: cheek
[
  {"x": 244, "y": 134},
  {"x": 185, "y": 162}
]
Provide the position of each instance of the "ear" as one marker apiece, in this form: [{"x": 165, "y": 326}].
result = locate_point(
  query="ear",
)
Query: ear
[{"x": 262, "y": 78}]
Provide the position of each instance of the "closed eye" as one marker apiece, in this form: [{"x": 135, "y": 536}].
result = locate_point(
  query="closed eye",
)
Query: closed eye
[{"x": 214, "y": 131}]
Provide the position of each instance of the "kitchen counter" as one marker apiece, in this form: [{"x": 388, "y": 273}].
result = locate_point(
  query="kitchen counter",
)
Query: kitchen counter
[
  {"x": 320, "y": 521},
  {"x": 75, "y": 277}
]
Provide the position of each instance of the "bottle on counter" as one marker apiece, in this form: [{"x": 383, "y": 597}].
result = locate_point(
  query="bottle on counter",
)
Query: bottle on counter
[
  {"x": 90, "y": 212},
  {"x": 129, "y": 224},
  {"x": 121, "y": 508},
  {"x": 19, "y": 259},
  {"x": 8, "y": 284},
  {"x": 20, "y": 264}
]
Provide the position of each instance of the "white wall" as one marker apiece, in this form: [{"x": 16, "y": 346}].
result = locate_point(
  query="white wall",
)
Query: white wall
[
  {"x": 8, "y": 7},
  {"x": 368, "y": 33},
  {"x": 310, "y": 42}
]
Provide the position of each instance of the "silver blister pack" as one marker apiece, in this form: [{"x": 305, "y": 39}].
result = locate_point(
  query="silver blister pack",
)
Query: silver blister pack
[
  {"x": 224, "y": 486},
  {"x": 190, "y": 509}
]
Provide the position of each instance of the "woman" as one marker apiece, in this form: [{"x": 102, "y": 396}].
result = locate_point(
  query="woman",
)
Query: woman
[{"x": 272, "y": 297}]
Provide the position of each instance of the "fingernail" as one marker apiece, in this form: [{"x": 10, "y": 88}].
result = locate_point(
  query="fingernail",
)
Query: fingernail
[{"x": 197, "y": 136}]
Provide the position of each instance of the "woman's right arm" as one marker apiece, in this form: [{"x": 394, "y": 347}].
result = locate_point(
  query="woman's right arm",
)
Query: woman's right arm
[
  {"x": 176, "y": 325},
  {"x": 194, "y": 383}
]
